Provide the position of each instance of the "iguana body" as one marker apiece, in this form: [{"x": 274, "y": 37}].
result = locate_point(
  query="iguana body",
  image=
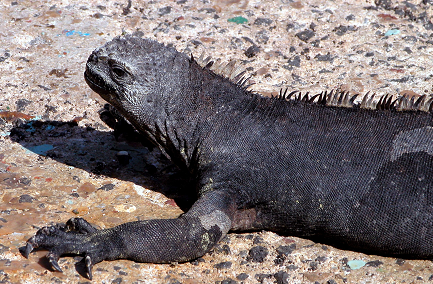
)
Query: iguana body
[{"x": 352, "y": 177}]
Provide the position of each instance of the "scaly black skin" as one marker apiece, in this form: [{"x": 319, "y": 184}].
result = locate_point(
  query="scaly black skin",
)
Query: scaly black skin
[{"x": 350, "y": 177}]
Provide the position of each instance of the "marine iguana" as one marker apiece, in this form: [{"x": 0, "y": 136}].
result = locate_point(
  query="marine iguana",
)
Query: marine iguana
[{"x": 356, "y": 177}]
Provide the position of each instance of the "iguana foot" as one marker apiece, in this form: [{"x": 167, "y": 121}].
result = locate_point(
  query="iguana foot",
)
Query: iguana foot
[
  {"x": 157, "y": 241},
  {"x": 73, "y": 237},
  {"x": 79, "y": 225}
]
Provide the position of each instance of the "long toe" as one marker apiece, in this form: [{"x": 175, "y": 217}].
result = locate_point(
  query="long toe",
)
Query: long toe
[
  {"x": 89, "y": 266},
  {"x": 29, "y": 248},
  {"x": 53, "y": 258}
]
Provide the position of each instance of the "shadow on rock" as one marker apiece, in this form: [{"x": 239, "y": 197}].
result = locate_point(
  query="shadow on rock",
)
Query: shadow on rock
[{"x": 126, "y": 155}]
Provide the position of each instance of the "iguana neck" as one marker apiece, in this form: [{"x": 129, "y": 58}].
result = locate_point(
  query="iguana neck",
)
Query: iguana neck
[{"x": 200, "y": 97}]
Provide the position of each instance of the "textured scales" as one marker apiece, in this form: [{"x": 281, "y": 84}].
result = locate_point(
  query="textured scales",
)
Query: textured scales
[{"x": 353, "y": 175}]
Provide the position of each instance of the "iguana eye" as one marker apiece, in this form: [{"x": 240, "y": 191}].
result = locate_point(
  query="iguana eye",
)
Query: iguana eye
[{"x": 118, "y": 71}]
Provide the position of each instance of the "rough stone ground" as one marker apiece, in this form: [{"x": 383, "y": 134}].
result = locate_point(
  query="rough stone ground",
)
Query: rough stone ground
[{"x": 58, "y": 160}]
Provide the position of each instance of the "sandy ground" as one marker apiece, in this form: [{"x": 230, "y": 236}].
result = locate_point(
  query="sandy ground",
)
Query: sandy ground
[{"x": 58, "y": 159}]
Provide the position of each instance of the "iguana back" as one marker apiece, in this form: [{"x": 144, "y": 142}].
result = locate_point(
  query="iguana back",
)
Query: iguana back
[{"x": 355, "y": 178}]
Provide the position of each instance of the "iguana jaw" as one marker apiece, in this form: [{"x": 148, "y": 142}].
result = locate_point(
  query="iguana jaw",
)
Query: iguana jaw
[
  {"x": 94, "y": 82},
  {"x": 95, "y": 79}
]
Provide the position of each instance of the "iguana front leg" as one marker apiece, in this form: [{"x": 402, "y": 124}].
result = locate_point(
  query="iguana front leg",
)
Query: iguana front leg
[{"x": 157, "y": 241}]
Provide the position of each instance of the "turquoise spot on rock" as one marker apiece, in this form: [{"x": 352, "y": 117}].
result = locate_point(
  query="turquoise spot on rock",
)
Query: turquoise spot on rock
[
  {"x": 40, "y": 149},
  {"x": 392, "y": 32},
  {"x": 238, "y": 20},
  {"x": 355, "y": 264},
  {"x": 74, "y": 32}
]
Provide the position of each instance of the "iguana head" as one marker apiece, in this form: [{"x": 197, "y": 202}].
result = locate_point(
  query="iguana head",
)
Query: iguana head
[{"x": 137, "y": 76}]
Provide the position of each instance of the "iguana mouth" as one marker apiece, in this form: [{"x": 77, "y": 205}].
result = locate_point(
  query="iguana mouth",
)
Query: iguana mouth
[{"x": 95, "y": 82}]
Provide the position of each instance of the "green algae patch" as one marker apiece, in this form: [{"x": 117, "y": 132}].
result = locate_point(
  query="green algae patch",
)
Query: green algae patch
[{"x": 238, "y": 20}]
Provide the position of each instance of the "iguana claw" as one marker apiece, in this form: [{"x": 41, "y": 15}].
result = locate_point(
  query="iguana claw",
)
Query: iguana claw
[
  {"x": 89, "y": 266},
  {"x": 29, "y": 248},
  {"x": 53, "y": 258}
]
